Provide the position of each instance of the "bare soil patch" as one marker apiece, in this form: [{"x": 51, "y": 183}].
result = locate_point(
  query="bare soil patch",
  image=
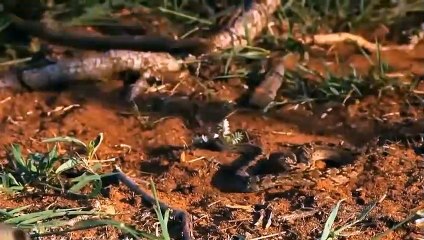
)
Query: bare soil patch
[{"x": 151, "y": 146}]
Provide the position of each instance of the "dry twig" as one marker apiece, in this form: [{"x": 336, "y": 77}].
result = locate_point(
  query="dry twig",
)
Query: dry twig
[
  {"x": 180, "y": 214},
  {"x": 333, "y": 38}
]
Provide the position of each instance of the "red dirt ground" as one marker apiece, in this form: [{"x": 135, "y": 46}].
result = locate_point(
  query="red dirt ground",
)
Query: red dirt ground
[{"x": 395, "y": 170}]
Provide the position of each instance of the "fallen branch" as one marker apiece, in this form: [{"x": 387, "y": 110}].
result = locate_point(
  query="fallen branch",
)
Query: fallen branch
[
  {"x": 150, "y": 64},
  {"x": 255, "y": 19},
  {"x": 97, "y": 66},
  {"x": 152, "y": 43},
  {"x": 266, "y": 92},
  {"x": 176, "y": 213},
  {"x": 247, "y": 26},
  {"x": 267, "y": 89}
]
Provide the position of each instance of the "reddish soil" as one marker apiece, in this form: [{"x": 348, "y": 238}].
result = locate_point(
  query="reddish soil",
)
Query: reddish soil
[{"x": 184, "y": 180}]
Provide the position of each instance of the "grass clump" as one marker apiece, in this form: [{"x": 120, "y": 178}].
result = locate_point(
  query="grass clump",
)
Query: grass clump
[
  {"x": 331, "y": 233},
  {"x": 64, "y": 220},
  {"x": 73, "y": 172},
  {"x": 68, "y": 173}
]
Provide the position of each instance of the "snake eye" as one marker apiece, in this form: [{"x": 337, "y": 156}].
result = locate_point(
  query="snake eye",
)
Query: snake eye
[{"x": 289, "y": 160}]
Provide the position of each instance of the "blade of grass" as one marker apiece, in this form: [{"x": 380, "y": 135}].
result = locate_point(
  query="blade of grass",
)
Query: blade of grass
[
  {"x": 387, "y": 232},
  {"x": 94, "y": 145},
  {"x": 93, "y": 223},
  {"x": 364, "y": 213},
  {"x": 65, "y": 139},
  {"x": 83, "y": 181},
  {"x": 163, "y": 221},
  {"x": 17, "y": 156},
  {"x": 25, "y": 217},
  {"x": 71, "y": 163},
  {"x": 330, "y": 221},
  {"x": 183, "y": 15}
]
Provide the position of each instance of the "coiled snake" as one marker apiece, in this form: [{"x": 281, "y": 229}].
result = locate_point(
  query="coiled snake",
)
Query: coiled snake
[{"x": 292, "y": 164}]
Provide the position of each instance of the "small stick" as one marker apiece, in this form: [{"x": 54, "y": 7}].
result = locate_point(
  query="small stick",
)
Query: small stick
[
  {"x": 177, "y": 213},
  {"x": 298, "y": 215},
  {"x": 332, "y": 38},
  {"x": 268, "y": 236}
]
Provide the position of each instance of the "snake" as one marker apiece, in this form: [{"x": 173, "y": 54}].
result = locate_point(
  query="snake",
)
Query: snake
[
  {"x": 291, "y": 165},
  {"x": 296, "y": 165}
]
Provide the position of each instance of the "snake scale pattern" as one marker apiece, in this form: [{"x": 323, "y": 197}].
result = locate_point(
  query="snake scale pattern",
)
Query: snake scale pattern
[
  {"x": 300, "y": 165},
  {"x": 291, "y": 165}
]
